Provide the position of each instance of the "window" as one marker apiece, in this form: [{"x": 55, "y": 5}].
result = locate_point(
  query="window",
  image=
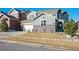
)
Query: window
[
  {"x": 54, "y": 14},
  {"x": 43, "y": 23},
  {"x": 6, "y": 19},
  {"x": 14, "y": 15}
]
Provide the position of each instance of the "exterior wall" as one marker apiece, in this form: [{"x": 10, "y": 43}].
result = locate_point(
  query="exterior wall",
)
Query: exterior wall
[
  {"x": 54, "y": 15},
  {"x": 50, "y": 24},
  {"x": 60, "y": 25},
  {"x": 23, "y": 16},
  {"x": 4, "y": 17},
  {"x": 14, "y": 25},
  {"x": 27, "y": 27},
  {"x": 48, "y": 28},
  {"x": 15, "y": 14},
  {"x": 31, "y": 15},
  {"x": 49, "y": 20},
  {"x": 62, "y": 15}
]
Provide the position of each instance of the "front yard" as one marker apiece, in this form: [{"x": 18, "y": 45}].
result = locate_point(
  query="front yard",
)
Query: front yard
[{"x": 54, "y": 39}]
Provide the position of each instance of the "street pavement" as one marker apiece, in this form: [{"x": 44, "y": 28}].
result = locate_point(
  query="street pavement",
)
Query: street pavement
[{"x": 11, "y": 46}]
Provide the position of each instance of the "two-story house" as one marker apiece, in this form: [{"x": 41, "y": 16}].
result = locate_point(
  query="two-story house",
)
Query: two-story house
[
  {"x": 45, "y": 21},
  {"x": 27, "y": 23},
  {"x": 12, "y": 22}
]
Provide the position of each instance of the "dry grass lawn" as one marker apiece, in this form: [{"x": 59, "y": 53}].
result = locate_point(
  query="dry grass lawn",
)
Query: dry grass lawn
[
  {"x": 55, "y": 39},
  {"x": 46, "y": 35}
]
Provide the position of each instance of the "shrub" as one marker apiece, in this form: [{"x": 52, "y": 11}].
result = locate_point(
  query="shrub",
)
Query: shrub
[
  {"x": 70, "y": 27},
  {"x": 3, "y": 26}
]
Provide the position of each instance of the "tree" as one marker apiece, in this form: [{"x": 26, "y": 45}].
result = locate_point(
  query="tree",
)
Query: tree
[
  {"x": 3, "y": 26},
  {"x": 70, "y": 27}
]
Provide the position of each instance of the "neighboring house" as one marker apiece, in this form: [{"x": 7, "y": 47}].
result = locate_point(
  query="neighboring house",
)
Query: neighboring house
[
  {"x": 13, "y": 23},
  {"x": 44, "y": 23},
  {"x": 28, "y": 14},
  {"x": 15, "y": 14},
  {"x": 27, "y": 25},
  {"x": 31, "y": 14},
  {"x": 58, "y": 14}
]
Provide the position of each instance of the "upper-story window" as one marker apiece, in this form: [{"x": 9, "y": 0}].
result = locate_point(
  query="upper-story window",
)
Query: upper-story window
[
  {"x": 43, "y": 17},
  {"x": 14, "y": 15},
  {"x": 6, "y": 19},
  {"x": 43, "y": 23},
  {"x": 54, "y": 14}
]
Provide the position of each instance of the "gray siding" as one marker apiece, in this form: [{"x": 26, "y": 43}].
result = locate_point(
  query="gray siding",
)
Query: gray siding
[
  {"x": 48, "y": 28},
  {"x": 31, "y": 15},
  {"x": 49, "y": 20},
  {"x": 50, "y": 24}
]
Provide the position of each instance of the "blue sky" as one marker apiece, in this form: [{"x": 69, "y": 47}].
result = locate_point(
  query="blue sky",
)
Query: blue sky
[{"x": 73, "y": 12}]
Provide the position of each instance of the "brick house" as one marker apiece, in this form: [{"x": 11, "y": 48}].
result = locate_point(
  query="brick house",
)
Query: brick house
[
  {"x": 12, "y": 22},
  {"x": 15, "y": 14}
]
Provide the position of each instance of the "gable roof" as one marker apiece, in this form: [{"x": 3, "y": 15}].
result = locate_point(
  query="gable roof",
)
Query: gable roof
[
  {"x": 28, "y": 11},
  {"x": 51, "y": 11},
  {"x": 3, "y": 14},
  {"x": 12, "y": 10},
  {"x": 39, "y": 16},
  {"x": 7, "y": 15}
]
